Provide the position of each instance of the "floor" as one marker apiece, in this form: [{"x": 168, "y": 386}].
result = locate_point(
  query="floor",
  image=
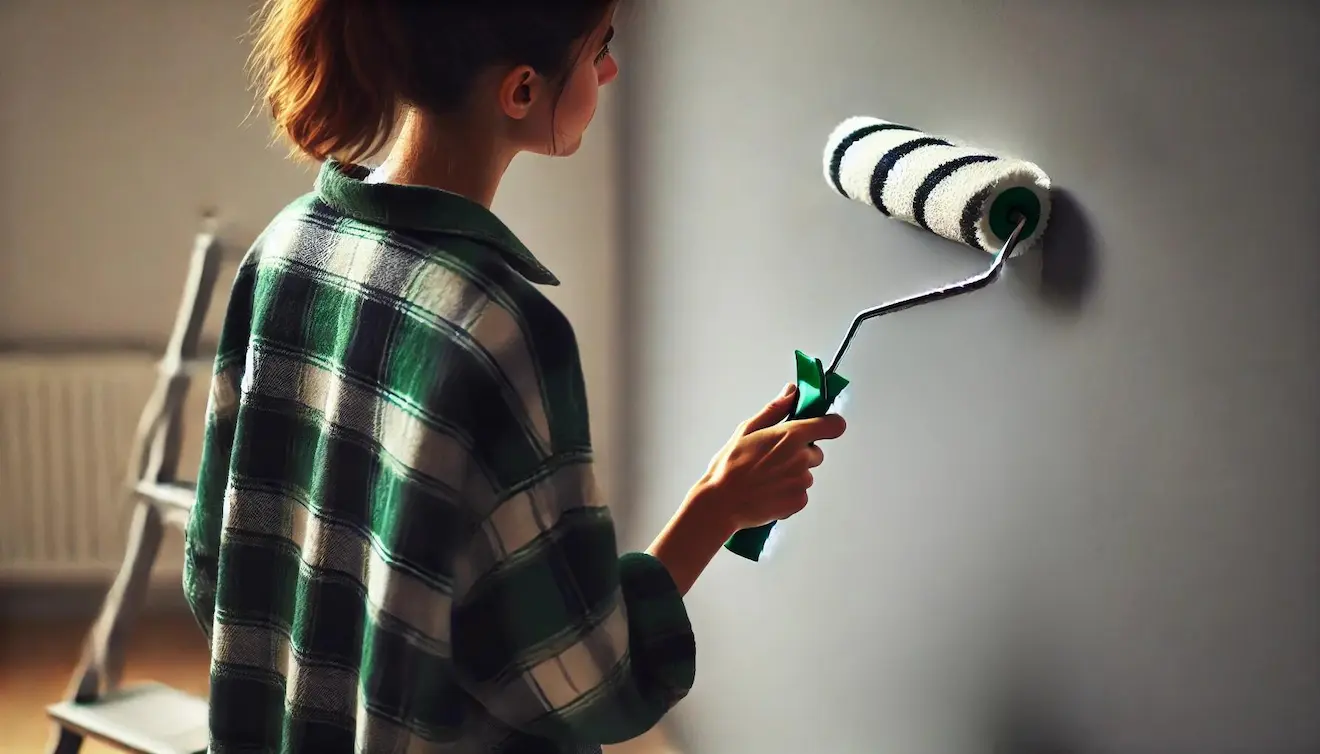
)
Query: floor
[{"x": 37, "y": 660}]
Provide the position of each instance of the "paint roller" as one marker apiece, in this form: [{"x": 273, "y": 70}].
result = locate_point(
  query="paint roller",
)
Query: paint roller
[{"x": 987, "y": 201}]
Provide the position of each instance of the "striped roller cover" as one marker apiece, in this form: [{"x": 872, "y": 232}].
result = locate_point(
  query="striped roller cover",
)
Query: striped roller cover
[{"x": 956, "y": 191}]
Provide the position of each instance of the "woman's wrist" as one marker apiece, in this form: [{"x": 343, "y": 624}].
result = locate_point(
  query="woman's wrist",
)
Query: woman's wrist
[{"x": 694, "y": 535}]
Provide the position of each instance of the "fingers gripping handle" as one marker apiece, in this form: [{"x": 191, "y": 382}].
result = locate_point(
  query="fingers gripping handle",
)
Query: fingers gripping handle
[{"x": 816, "y": 393}]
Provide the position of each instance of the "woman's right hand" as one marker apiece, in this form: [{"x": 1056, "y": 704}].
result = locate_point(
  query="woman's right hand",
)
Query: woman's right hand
[
  {"x": 764, "y": 471},
  {"x": 761, "y": 475}
]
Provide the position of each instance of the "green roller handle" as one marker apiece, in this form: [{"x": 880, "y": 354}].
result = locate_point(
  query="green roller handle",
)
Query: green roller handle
[{"x": 816, "y": 393}]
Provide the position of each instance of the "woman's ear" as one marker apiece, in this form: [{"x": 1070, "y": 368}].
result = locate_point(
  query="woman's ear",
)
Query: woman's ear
[{"x": 519, "y": 90}]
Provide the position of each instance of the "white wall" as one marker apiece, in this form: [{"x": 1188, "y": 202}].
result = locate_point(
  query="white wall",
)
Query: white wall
[
  {"x": 1105, "y": 502},
  {"x": 122, "y": 121}
]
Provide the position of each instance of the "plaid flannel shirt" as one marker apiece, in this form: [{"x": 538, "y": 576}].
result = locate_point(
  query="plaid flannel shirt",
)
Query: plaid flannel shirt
[{"x": 397, "y": 544}]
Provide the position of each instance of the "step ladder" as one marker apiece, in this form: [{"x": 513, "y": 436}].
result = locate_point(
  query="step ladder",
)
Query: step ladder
[{"x": 149, "y": 718}]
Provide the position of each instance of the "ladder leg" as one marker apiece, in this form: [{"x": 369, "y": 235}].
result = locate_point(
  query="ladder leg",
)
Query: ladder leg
[
  {"x": 102, "y": 662},
  {"x": 124, "y": 603},
  {"x": 64, "y": 741}
]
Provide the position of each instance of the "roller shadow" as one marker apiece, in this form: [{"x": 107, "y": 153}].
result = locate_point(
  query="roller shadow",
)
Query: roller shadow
[
  {"x": 1067, "y": 257},
  {"x": 1023, "y": 725},
  {"x": 1026, "y": 737},
  {"x": 1027, "y": 710}
]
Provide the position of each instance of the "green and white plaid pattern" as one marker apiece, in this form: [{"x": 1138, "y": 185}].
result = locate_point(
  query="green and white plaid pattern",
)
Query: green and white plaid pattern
[{"x": 397, "y": 544}]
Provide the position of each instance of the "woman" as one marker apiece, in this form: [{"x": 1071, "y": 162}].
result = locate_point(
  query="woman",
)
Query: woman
[{"x": 397, "y": 545}]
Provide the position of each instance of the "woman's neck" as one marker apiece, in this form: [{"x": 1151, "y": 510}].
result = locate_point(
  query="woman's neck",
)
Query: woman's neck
[{"x": 464, "y": 158}]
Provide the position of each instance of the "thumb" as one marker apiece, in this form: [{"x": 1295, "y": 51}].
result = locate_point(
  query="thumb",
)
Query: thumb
[{"x": 775, "y": 411}]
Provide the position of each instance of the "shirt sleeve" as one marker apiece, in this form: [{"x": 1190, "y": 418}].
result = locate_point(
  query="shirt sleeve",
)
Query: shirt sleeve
[
  {"x": 201, "y": 561},
  {"x": 555, "y": 633},
  {"x": 202, "y": 535}
]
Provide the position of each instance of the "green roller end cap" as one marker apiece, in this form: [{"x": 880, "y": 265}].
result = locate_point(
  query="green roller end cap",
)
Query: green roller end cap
[
  {"x": 1018, "y": 200},
  {"x": 816, "y": 393}
]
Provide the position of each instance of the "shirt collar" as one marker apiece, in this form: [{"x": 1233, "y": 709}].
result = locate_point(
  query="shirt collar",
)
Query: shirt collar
[{"x": 422, "y": 208}]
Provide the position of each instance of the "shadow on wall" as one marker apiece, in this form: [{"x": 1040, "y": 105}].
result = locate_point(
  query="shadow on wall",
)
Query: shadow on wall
[
  {"x": 1024, "y": 736},
  {"x": 1068, "y": 262},
  {"x": 1068, "y": 256},
  {"x": 1020, "y": 720}
]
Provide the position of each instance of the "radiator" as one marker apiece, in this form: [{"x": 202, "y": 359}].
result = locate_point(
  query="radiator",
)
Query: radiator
[{"x": 67, "y": 425}]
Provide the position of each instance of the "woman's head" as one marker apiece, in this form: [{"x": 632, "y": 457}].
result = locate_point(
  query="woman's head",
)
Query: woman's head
[{"x": 337, "y": 73}]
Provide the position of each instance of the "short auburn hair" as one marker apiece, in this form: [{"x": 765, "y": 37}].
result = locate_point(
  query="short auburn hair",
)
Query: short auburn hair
[{"x": 335, "y": 73}]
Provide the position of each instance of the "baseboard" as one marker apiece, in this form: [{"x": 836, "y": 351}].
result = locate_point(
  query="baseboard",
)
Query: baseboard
[{"x": 79, "y": 601}]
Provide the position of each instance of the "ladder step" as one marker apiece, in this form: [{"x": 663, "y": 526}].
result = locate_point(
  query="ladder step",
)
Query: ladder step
[
  {"x": 181, "y": 495},
  {"x": 148, "y": 719},
  {"x": 195, "y": 367}
]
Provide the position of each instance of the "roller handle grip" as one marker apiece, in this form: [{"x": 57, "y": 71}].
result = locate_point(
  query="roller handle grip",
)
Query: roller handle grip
[{"x": 816, "y": 393}]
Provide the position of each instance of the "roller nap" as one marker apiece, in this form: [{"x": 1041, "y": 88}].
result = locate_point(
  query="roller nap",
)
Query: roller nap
[{"x": 954, "y": 190}]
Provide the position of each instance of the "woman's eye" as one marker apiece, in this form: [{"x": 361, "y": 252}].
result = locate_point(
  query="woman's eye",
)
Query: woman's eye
[{"x": 605, "y": 48}]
